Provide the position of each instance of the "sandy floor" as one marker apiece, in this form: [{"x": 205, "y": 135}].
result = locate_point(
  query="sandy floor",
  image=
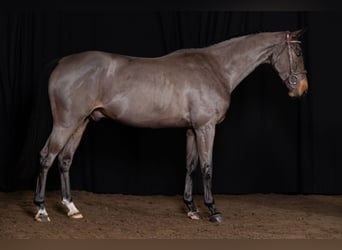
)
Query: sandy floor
[{"x": 108, "y": 216}]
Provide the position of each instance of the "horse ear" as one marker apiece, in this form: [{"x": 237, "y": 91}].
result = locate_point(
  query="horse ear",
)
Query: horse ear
[{"x": 298, "y": 33}]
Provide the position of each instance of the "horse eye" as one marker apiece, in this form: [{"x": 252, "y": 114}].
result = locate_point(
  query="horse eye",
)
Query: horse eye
[{"x": 298, "y": 52}]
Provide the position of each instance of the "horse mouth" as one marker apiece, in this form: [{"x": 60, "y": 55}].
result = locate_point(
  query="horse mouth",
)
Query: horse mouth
[{"x": 301, "y": 90}]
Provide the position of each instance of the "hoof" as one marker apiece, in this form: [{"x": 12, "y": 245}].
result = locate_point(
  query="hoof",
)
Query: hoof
[
  {"x": 216, "y": 218},
  {"x": 194, "y": 215},
  {"x": 42, "y": 218},
  {"x": 76, "y": 216}
]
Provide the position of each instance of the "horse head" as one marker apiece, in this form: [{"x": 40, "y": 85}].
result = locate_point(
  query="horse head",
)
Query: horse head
[{"x": 287, "y": 60}]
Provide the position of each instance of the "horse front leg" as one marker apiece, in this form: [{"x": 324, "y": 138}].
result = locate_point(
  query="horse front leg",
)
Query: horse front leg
[
  {"x": 191, "y": 164},
  {"x": 65, "y": 160},
  {"x": 205, "y": 141}
]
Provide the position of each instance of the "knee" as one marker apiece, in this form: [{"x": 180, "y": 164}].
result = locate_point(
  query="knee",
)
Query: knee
[
  {"x": 45, "y": 162},
  {"x": 191, "y": 168},
  {"x": 207, "y": 172},
  {"x": 64, "y": 163}
]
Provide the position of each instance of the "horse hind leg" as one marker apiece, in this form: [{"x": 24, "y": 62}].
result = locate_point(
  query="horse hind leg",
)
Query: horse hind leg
[
  {"x": 54, "y": 144},
  {"x": 191, "y": 164},
  {"x": 65, "y": 160}
]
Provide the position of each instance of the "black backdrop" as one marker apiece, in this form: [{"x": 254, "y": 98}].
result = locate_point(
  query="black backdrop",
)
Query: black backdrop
[{"x": 268, "y": 142}]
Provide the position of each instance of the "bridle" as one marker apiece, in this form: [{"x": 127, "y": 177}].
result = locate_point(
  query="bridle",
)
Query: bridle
[{"x": 292, "y": 79}]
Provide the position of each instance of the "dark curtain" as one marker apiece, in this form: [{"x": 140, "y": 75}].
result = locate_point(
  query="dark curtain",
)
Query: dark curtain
[{"x": 267, "y": 143}]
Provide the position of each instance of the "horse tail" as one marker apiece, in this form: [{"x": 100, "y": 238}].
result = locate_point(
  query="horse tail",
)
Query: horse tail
[{"x": 38, "y": 129}]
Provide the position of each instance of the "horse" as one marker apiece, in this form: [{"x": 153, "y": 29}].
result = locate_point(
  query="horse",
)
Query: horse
[{"x": 188, "y": 88}]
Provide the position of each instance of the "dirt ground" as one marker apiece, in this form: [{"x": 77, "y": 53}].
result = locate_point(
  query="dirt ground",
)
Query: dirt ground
[{"x": 109, "y": 216}]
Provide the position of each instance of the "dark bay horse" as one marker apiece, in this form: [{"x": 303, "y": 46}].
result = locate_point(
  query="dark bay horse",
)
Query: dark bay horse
[{"x": 187, "y": 88}]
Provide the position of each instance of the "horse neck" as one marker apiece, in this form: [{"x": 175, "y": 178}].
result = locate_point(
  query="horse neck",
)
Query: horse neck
[{"x": 240, "y": 56}]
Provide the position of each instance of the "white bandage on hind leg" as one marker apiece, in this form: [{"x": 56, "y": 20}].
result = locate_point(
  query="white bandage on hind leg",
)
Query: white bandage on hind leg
[{"x": 73, "y": 211}]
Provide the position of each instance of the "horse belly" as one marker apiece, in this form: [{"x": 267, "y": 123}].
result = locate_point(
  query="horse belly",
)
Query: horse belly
[
  {"x": 153, "y": 111},
  {"x": 156, "y": 121}
]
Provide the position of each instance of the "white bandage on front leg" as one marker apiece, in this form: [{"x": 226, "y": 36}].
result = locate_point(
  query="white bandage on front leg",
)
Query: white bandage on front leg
[
  {"x": 42, "y": 215},
  {"x": 73, "y": 212}
]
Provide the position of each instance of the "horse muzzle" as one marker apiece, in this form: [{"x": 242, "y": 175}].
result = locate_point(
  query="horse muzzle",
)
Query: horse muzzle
[{"x": 300, "y": 90}]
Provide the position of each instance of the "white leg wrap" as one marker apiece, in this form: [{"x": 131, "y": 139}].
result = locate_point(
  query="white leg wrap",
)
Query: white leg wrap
[
  {"x": 42, "y": 215},
  {"x": 194, "y": 215},
  {"x": 73, "y": 212}
]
